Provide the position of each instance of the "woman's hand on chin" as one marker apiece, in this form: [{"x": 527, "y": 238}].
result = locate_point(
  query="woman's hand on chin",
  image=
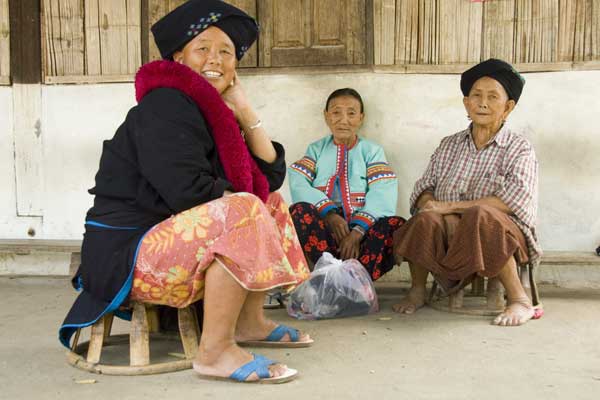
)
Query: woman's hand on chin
[{"x": 235, "y": 98}]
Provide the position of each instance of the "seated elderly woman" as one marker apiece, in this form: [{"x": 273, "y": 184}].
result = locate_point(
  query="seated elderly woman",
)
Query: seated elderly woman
[
  {"x": 166, "y": 226},
  {"x": 474, "y": 209},
  {"x": 345, "y": 192}
]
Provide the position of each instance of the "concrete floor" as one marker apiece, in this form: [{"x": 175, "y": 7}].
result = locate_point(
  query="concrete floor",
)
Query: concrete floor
[{"x": 431, "y": 355}]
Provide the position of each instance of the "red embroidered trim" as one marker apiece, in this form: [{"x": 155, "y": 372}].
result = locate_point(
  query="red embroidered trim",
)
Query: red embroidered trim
[{"x": 239, "y": 166}]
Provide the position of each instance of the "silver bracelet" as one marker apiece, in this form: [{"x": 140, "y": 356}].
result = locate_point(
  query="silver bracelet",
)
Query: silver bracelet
[{"x": 258, "y": 124}]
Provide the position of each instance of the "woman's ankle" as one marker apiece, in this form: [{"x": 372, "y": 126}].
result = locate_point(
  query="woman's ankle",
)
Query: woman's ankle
[{"x": 210, "y": 350}]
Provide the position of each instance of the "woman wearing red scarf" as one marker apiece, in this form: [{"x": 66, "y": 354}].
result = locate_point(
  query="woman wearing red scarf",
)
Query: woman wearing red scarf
[{"x": 184, "y": 205}]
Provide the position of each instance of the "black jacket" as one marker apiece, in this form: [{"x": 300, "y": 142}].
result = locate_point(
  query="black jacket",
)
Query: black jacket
[{"x": 161, "y": 161}]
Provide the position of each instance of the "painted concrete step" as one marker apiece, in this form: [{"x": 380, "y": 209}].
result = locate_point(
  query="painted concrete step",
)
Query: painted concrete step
[{"x": 62, "y": 257}]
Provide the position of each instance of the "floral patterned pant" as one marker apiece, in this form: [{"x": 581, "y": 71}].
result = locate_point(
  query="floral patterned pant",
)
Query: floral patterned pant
[
  {"x": 375, "y": 249},
  {"x": 254, "y": 241}
]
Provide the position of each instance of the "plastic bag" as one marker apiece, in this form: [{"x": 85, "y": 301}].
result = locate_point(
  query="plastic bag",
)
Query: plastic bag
[{"x": 335, "y": 289}]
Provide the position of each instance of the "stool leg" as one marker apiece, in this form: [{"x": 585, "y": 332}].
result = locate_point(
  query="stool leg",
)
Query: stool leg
[
  {"x": 456, "y": 300},
  {"x": 139, "y": 345},
  {"x": 96, "y": 341},
  {"x": 188, "y": 330},
  {"x": 153, "y": 319},
  {"x": 76, "y": 339},
  {"x": 478, "y": 286},
  {"x": 495, "y": 294},
  {"x": 108, "y": 321},
  {"x": 432, "y": 292}
]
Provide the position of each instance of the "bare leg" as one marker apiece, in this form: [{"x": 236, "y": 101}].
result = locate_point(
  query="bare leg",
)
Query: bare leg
[
  {"x": 252, "y": 323},
  {"x": 519, "y": 309},
  {"x": 218, "y": 354},
  {"x": 416, "y": 295}
]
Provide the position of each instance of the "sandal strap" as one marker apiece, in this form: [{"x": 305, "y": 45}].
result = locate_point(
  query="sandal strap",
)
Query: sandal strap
[
  {"x": 259, "y": 365},
  {"x": 278, "y": 333}
]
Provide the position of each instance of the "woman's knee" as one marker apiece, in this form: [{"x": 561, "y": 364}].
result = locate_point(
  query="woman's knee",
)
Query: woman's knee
[
  {"x": 302, "y": 207},
  {"x": 251, "y": 204},
  {"x": 482, "y": 212},
  {"x": 428, "y": 218}
]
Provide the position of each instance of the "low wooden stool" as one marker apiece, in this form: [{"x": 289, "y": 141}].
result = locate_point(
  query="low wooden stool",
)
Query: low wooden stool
[
  {"x": 484, "y": 298},
  {"x": 144, "y": 327}
]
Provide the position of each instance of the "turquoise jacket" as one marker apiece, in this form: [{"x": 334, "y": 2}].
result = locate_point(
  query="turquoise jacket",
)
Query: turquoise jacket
[{"x": 358, "y": 176}]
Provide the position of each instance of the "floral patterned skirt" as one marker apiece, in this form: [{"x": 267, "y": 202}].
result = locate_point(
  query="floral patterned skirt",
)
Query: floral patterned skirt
[
  {"x": 255, "y": 242},
  {"x": 375, "y": 248}
]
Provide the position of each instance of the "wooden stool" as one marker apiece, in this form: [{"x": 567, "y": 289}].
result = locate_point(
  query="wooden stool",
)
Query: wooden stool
[
  {"x": 483, "y": 299},
  {"x": 144, "y": 327}
]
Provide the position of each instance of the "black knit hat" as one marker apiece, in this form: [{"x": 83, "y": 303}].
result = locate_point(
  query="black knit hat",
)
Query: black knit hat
[
  {"x": 177, "y": 28},
  {"x": 496, "y": 69}
]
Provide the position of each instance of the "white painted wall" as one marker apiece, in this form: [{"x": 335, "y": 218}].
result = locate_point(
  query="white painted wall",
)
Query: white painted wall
[{"x": 407, "y": 114}]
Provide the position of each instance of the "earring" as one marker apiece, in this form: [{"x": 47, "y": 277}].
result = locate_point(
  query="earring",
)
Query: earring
[{"x": 468, "y": 117}]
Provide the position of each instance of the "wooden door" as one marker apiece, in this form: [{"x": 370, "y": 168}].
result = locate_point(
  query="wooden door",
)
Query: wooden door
[{"x": 312, "y": 32}]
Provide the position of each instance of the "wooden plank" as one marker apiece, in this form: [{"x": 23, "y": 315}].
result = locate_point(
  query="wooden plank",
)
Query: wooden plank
[
  {"x": 64, "y": 37},
  {"x": 356, "y": 31},
  {"x": 4, "y": 42},
  {"x": 595, "y": 29},
  {"x": 251, "y": 57},
  {"x": 139, "y": 338},
  {"x": 459, "y": 31},
  {"x": 92, "y": 39},
  {"x": 407, "y": 31},
  {"x": 156, "y": 10},
  {"x": 498, "y": 30},
  {"x": 26, "y": 246},
  {"x": 96, "y": 341},
  {"x": 384, "y": 26},
  {"x": 113, "y": 36},
  {"x": 134, "y": 45},
  {"x": 460, "y": 68},
  {"x": 536, "y": 31},
  {"x": 86, "y": 79},
  {"x": 566, "y": 30},
  {"x": 25, "y": 41},
  {"x": 265, "y": 43},
  {"x": 29, "y": 157},
  {"x": 427, "y": 51},
  {"x": 570, "y": 258},
  {"x": 188, "y": 330},
  {"x": 344, "y": 69}
]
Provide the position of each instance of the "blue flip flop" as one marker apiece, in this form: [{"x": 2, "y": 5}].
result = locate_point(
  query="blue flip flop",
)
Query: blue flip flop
[
  {"x": 274, "y": 339},
  {"x": 258, "y": 365}
]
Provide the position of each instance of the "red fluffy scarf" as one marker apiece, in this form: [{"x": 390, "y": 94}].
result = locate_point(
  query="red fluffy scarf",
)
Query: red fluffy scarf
[{"x": 240, "y": 168}]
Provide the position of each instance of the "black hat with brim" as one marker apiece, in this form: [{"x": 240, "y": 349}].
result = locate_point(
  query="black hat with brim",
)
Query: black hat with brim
[
  {"x": 173, "y": 31},
  {"x": 496, "y": 69}
]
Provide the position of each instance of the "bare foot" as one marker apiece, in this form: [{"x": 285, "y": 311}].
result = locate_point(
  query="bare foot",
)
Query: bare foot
[
  {"x": 223, "y": 362},
  {"x": 257, "y": 330},
  {"x": 414, "y": 300},
  {"x": 517, "y": 313}
]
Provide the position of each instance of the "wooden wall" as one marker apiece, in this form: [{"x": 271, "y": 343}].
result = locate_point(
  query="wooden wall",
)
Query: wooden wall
[
  {"x": 4, "y": 43},
  {"x": 83, "y": 39},
  {"x": 108, "y": 40},
  {"x": 457, "y": 32}
]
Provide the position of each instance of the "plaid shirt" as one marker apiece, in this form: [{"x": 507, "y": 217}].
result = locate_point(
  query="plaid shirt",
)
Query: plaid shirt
[{"x": 506, "y": 167}]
